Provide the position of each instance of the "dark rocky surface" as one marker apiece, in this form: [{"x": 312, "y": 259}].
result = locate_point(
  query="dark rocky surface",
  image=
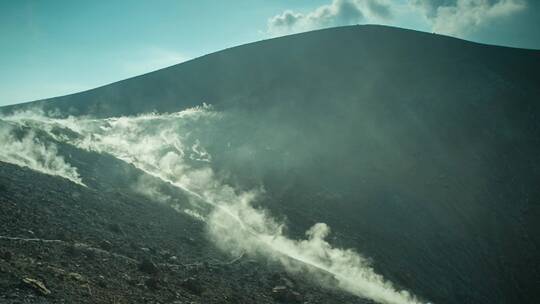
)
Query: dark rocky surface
[{"x": 87, "y": 246}]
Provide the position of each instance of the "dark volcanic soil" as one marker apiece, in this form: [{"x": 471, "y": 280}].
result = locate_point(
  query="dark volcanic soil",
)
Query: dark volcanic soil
[
  {"x": 420, "y": 151},
  {"x": 90, "y": 246}
]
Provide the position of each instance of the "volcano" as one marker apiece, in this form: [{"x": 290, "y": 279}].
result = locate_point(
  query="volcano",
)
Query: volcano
[{"x": 359, "y": 164}]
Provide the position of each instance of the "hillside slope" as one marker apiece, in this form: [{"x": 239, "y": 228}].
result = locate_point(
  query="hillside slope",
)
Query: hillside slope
[
  {"x": 106, "y": 244},
  {"x": 351, "y": 63},
  {"x": 422, "y": 152}
]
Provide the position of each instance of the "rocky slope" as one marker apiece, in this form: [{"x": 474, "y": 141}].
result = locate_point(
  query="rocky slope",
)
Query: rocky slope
[
  {"x": 421, "y": 152},
  {"x": 64, "y": 243}
]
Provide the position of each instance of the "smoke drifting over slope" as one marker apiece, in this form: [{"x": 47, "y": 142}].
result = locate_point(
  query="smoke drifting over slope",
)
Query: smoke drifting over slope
[
  {"x": 25, "y": 149},
  {"x": 171, "y": 147}
]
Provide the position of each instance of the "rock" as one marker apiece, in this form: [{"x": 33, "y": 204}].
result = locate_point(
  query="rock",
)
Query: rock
[
  {"x": 73, "y": 250},
  {"x": 101, "y": 282},
  {"x": 189, "y": 240},
  {"x": 75, "y": 276},
  {"x": 148, "y": 266},
  {"x": 36, "y": 285},
  {"x": 284, "y": 294},
  {"x": 90, "y": 254},
  {"x": 106, "y": 245},
  {"x": 296, "y": 297},
  {"x": 152, "y": 283},
  {"x": 279, "y": 291},
  {"x": 86, "y": 290},
  {"x": 63, "y": 236},
  {"x": 115, "y": 228},
  {"x": 6, "y": 255},
  {"x": 193, "y": 285},
  {"x": 280, "y": 279},
  {"x": 287, "y": 282},
  {"x": 57, "y": 272},
  {"x": 165, "y": 253}
]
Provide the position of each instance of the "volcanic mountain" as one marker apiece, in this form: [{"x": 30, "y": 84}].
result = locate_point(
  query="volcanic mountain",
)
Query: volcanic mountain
[{"x": 421, "y": 153}]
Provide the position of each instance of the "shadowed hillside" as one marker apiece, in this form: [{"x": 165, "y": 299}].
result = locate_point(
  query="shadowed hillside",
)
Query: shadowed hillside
[
  {"x": 420, "y": 151},
  {"x": 327, "y": 66}
]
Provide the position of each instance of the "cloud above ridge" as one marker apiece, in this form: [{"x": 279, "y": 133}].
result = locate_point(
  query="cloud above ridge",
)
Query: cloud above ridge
[
  {"x": 461, "y": 17},
  {"x": 337, "y": 13}
]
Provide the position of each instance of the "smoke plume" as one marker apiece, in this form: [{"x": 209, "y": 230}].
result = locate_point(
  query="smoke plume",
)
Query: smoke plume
[
  {"x": 24, "y": 148},
  {"x": 171, "y": 148}
]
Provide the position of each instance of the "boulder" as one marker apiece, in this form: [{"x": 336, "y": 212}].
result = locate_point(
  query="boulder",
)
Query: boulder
[
  {"x": 193, "y": 285},
  {"x": 37, "y": 286},
  {"x": 148, "y": 266},
  {"x": 284, "y": 294}
]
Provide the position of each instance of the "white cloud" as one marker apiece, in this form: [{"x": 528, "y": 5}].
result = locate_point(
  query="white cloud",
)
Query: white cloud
[
  {"x": 338, "y": 12},
  {"x": 451, "y": 17},
  {"x": 461, "y": 17}
]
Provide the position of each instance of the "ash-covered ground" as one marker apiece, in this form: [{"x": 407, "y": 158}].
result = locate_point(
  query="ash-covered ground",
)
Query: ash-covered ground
[{"x": 64, "y": 243}]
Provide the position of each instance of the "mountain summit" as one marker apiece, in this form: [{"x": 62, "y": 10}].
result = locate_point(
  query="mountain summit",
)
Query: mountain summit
[{"x": 355, "y": 62}]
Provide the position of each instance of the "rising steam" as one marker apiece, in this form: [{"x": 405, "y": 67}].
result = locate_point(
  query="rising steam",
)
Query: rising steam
[
  {"x": 25, "y": 149},
  {"x": 169, "y": 147}
]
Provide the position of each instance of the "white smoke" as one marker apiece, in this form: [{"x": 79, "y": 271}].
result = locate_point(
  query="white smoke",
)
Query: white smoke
[
  {"x": 259, "y": 233},
  {"x": 27, "y": 150},
  {"x": 167, "y": 147}
]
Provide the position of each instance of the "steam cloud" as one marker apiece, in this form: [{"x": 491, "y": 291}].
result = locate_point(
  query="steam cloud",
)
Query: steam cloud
[
  {"x": 27, "y": 150},
  {"x": 168, "y": 147}
]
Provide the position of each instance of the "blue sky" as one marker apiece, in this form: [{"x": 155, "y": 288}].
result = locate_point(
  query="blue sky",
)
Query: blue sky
[{"x": 52, "y": 48}]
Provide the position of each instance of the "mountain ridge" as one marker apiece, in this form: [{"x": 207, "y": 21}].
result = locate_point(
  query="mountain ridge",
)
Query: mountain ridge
[{"x": 359, "y": 32}]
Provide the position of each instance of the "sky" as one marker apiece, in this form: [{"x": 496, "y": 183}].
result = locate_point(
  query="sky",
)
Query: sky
[{"x": 54, "y": 48}]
